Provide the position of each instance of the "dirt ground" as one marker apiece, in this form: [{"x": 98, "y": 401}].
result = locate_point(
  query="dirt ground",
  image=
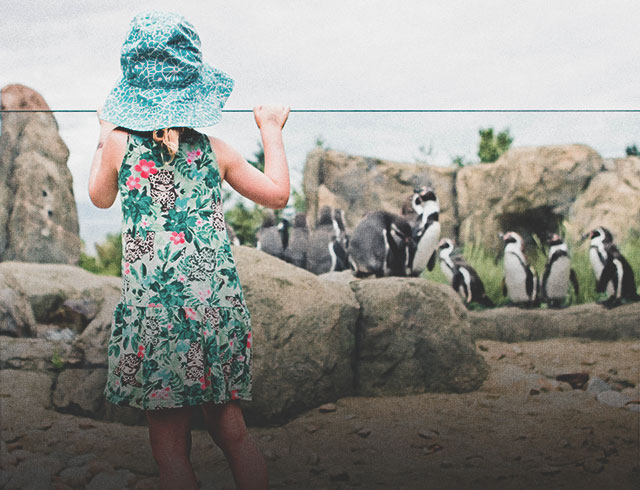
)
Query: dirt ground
[{"x": 522, "y": 429}]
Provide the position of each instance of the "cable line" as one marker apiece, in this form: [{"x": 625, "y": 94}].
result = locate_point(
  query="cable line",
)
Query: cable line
[{"x": 373, "y": 111}]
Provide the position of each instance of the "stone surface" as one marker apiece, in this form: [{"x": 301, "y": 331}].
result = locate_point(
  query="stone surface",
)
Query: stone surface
[
  {"x": 612, "y": 398},
  {"x": 597, "y": 385},
  {"x": 510, "y": 324},
  {"x": 304, "y": 333},
  {"x": 611, "y": 200},
  {"x": 23, "y": 388},
  {"x": 33, "y": 354},
  {"x": 38, "y": 217},
  {"x": 359, "y": 185},
  {"x": 16, "y": 315},
  {"x": 413, "y": 336},
  {"x": 80, "y": 391}
]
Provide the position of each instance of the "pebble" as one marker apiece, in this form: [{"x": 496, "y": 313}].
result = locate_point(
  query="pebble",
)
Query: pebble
[
  {"x": 81, "y": 459},
  {"x": 612, "y": 398},
  {"x": 588, "y": 362},
  {"x": 427, "y": 434},
  {"x": 350, "y": 416},
  {"x": 593, "y": 466},
  {"x": 266, "y": 438},
  {"x": 364, "y": 433},
  {"x": 98, "y": 466},
  {"x": 270, "y": 454},
  {"x": 108, "y": 480},
  {"x": 76, "y": 476},
  {"x": 517, "y": 350},
  {"x": 327, "y": 408},
  {"x": 148, "y": 484},
  {"x": 311, "y": 428},
  {"x": 597, "y": 385}
]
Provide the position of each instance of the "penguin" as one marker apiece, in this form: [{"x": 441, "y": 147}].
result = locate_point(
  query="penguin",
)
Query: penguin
[
  {"x": 521, "y": 283},
  {"x": 382, "y": 245},
  {"x": 426, "y": 229},
  {"x": 326, "y": 251},
  {"x": 296, "y": 252},
  {"x": 558, "y": 273},
  {"x": 462, "y": 277},
  {"x": 231, "y": 233},
  {"x": 273, "y": 239},
  {"x": 613, "y": 273}
]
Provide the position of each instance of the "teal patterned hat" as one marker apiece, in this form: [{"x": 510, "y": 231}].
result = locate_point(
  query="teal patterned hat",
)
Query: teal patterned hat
[{"x": 164, "y": 81}]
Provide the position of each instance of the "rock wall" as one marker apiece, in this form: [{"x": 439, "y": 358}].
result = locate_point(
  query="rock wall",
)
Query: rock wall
[
  {"x": 528, "y": 190},
  {"x": 38, "y": 214}
]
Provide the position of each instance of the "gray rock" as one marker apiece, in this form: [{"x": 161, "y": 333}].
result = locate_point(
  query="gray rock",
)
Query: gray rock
[
  {"x": 414, "y": 337},
  {"x": 40, "y": 222},
  {"x": 16, "y": 315},
  {"x": 111, "y": 480},
  {"x": 597, "y": 385},
  {"x": 34, "y": 473},
  {"x": 19, "y": 389},
  {"x": 304, "y": 332},
  {"x": 80, "y": 391},
  {"x": 33, "y": 354},
  {"x": 76, "y": 476},
  {"x": 612, "y": 398}
]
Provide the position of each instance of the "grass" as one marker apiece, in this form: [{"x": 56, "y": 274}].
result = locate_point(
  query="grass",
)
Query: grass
[{"x": 491, "y": 270}]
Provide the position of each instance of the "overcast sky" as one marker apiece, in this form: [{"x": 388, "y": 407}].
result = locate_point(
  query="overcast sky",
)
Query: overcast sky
[{"x": 353, "y": 54}]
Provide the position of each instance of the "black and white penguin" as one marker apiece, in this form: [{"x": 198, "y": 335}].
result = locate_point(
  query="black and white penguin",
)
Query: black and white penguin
[
  {"x": 613, "y": 273},
  {"x": 521, "y": 283},
  {"x": 326, "y": 251},
  {"x": 426, "y": 229},
  {"x": 382, "y": 245},
  {"x": 558, "y": 273},
  {"x": 231, "y": 233},
  {"x": 296, "y": 252},
  {"x": 462, "y": 277},
  {"x": 273, "y": 239}
]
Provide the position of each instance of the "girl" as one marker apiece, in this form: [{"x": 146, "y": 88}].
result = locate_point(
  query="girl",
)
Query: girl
[{"x": 181, "y": 334}]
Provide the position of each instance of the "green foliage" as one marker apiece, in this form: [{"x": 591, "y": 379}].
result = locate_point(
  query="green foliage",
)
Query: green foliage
[
  {"x": 244, "y": 221},
  {"x": 632, "y": 151},
  {"x": 459, "y": 161},
  {"x": 299, "y": 201},
  {"x": 321, "y": 143},
  {"x": 492, "y": 146},
  {"x": 258, "y": 156},
  {"x": 109, "y": 259},
  {"x": 56, "y": 360}
]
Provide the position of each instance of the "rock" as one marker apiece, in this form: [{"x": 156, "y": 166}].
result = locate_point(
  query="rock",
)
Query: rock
[
  {"x": 327, "y": 407},
  {"x": 612, "y": 398},
  {"x": 414, "y": 337},
  {"x": 34, "y": 473},
  {"x": 33, "y": 354},
  {"x": 19, "y": 389},
  {"x": 595, "y": 207},
  {"x": 80, "y": 391},
  {"x": 591, "y": 321},
  {"x": 75, "y": 313},
  {"x": 39, "y": 211},
  {"x": 597, "y": 385},
  {"x": 593, "y": 466},
  {"x": 76, "y": 476},
  {"x": 512, "y": 195},
  {"x": 358, "y": 185},
  {"x": 304, "y": 330},
  {"x": 576, "y": 380},
  {"x": 112, "y": 479},
  {"x": 16, "y": 315}
]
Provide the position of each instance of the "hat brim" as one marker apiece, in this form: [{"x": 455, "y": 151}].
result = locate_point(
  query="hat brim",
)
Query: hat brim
[{"x": 197, "y": 105}]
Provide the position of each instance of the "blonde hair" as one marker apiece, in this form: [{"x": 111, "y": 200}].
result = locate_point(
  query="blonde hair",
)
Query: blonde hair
[{"x": 169, "y": 138}]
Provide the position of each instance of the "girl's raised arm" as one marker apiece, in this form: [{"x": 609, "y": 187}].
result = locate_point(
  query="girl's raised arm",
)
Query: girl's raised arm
[
  {"x": 103, "y": 179},
  {"x": 271, "y": 188}
]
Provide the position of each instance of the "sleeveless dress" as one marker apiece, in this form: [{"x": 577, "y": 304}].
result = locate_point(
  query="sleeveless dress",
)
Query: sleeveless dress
[{"x": 181, "y": 332}]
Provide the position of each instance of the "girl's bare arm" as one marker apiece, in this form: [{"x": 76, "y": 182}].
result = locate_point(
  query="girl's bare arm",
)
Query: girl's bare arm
[
  {"x": 271, "y": 188},
  {"x": 103, "y": 179}
]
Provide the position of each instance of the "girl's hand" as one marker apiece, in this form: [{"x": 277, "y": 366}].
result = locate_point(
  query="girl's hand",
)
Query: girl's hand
[{"x": 271, "y": 116}]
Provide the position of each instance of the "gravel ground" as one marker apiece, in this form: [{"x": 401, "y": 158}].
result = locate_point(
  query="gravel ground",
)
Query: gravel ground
[{"x": 522, "y": 429}]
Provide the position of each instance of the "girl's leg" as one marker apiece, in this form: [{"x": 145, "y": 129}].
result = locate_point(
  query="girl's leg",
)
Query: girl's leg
[
  {"x": 226, "y": 426},
  {"x": 170, "y": 437}
]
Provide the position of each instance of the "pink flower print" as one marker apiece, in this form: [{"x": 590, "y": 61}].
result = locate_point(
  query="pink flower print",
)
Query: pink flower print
[
  {"x": 170, "y": 326},
  {"x": 145, "y": 168},
  {"x": 127, "y": 269},
  {"x": 177, "y": 238},
  {"x": 234, "y": 394},
  {"x": 144, "y": 223},
  {"x": 190, "y": 313},
  {"x": 193, "y": 155},
  {"x": 133, "y": 182},
  {"x": 141, "y": 351},
  {"x": 182, "y": 278},
  {"x": 249, "y": 340},
  {"x": 204, "y": 295},
  {"x": 199, "y": 222},
  {"x": 204, "y": 383}
]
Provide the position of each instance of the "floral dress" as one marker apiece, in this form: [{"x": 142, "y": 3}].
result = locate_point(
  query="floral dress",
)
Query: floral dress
[{"x": 181, "y": 333}]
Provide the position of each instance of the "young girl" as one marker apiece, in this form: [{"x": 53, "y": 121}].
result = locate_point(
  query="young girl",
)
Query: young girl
[{"x": 181, "y": 334}]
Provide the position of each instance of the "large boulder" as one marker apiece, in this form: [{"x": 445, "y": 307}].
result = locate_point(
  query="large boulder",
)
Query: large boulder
[
  {"x": 359, "y": 185},
  {"x": 414, "y": 337},
  {"x": 16, "y": 315},
  {"x": 529, "y": 190},
  {"x": 304, "y": 333},
  {"x": 612, "y": 199},
  {"x": 38, "y": 214}
]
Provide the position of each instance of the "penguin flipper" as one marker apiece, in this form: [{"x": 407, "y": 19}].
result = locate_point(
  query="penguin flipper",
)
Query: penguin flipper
[
  {"x": 608, "y": 274},
  {"x": 432, "y": 261},
  {"x": 574, "y": 281},
  {"x": 504, "y": 287}
]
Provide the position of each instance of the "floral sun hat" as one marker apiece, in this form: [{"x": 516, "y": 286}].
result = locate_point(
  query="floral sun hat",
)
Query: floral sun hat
[{"x": 164, "y": 80}]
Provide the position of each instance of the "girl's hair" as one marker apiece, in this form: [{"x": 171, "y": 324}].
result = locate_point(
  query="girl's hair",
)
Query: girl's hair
[{"x": 169, "y": 138}]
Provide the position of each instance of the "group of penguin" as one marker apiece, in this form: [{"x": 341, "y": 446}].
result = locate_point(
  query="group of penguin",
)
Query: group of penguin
[{"x": 388, "y": 244}]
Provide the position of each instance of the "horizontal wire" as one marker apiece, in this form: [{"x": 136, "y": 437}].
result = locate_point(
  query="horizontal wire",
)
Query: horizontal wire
[{"x": 356, "y": 111}]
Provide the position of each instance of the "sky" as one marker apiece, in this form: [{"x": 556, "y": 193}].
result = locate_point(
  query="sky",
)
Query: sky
[{"x": 352, "y": 54}]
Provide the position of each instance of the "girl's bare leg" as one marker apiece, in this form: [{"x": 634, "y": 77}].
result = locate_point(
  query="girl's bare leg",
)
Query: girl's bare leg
[
  {"x": 170, "y": 437},
  {"x": 226, "y": 426}
]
